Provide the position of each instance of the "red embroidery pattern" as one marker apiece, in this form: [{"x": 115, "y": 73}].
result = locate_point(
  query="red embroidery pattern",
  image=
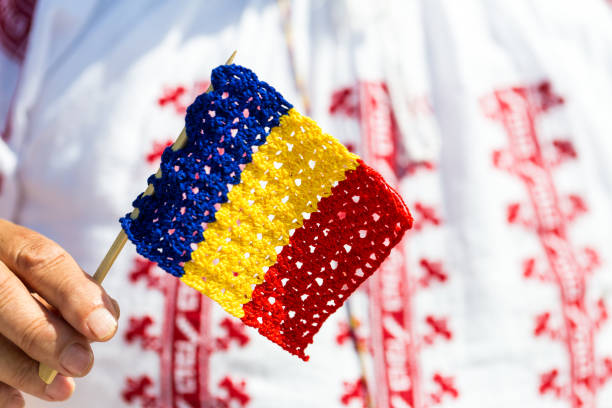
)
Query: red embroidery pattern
[
  {"x": 446, "y": 386},
  {"x": 398, "y": 325},
  {"x": 355, "y": 390},
  {"x": 344, "y": 335},
  {"x": 139, "y": 390},
  {"x": 548, "y": 214},
  {"x": 438, "y": 327},
  {"x": 395, "y": 343},
  {"x": 235, "y": 392},
  {"x": 345, "y": 101},
  {"x": 437, "y": 330},
  {"x": 15, "y": 23},
  {"x": 415, "y": 166},
  {"x": 171, "y": 97},
  {"x": 543, "y": 327},
  {"x": 393, "y": 337},
  {"x": 179, "y": 97},
  {"x": 145, "y": 270},
  {"x": 425, "y": 214},
  {"x": 432, "y": 272},
  {"x": 154, "y": 156},
  {"x": 235, "y": 333},
  {"x": 186, "y": 348},
  {"x": 605, "y": 368},
  {"x": 548, "y": 383},
  {"x": 369, "y": 102},
  {"x": 138, "y": 330}
]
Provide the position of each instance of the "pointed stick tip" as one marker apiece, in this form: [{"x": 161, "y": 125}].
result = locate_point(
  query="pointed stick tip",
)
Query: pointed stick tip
[{"x": 231, "y": 58}]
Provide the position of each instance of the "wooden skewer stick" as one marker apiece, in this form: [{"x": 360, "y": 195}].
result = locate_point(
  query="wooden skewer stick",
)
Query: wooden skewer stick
[
  {"x": 359, "y": 349},
  {"x": 46, "y": 373}
]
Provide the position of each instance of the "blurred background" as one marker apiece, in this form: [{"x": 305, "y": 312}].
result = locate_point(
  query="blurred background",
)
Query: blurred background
[{"x": 493, "y": 118}]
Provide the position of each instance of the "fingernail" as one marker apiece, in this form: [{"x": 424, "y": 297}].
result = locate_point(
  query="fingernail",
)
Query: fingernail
[
  {"x": 102, "y": 323},
  {"x": 16, "y": 401},
  {"x": 76, "y": 359},
  {"x": 60, "y": 389}
]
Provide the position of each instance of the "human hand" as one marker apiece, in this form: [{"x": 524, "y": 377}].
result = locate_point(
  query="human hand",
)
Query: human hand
[{"x": 50, "y": 310}]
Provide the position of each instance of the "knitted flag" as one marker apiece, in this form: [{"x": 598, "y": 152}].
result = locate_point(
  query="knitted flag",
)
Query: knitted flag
[{"x": 264, "y": 213}]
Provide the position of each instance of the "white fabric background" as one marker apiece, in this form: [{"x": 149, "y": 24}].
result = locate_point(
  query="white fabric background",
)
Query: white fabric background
[{"x": 85, "y": 115}]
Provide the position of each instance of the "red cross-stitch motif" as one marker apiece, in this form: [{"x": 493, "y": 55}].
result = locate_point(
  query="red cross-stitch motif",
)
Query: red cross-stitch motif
[
  {"x": 548, "y": 214},
  {"x": 445, "y": 387},
  {"x": 138, "y": 330},
  {"x": 235, "y": 333},
  {"x": 144, "y": 270},
  {"x": 235, "y": 393},
  {"x": 155, "y": 154},
  {"x": 605, "y": 370},
  {"x": 345, "y": 335},
  {"x": 432, "y": 271},
  {"x": 171, "y": 96},
  {"x": 549, "y": 383},
  {"x": 354, "y": 390},
  {"x": 425, "y": 214},
  {"x": 543, "y": 327},
  {"x": 138, "y": 390},
  {"x": 600, "y": 314},
  {"x": 179, "y": 97},
  {"x": 438, "y": 329},
  {"x": 345, "y": 101}
]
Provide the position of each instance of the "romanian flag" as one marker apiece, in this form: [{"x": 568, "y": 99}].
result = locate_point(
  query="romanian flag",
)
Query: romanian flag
[{"x": 264, "y": 213}]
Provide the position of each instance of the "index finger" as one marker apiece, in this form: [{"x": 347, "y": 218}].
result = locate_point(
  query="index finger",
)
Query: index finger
[{"x": 54, "y": 275}]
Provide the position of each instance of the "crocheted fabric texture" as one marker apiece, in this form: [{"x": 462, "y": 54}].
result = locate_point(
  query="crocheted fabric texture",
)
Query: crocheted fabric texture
[
  {"x": 338, "y": 247},
  {"x": 222, "y": 127},
  {"x": 264, "y": 213},
  {"x": 288, "y": 175}
]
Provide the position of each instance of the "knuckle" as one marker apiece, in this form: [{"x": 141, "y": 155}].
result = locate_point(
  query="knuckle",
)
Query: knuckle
[
  {"x": 22, "y": 376},
  {"x": 35, "y": 335},
  {"x": 5, "y": 285},
  {"x": 67, "y": 290},
  {"x": 38, "y": 253},
  {"x": 7, "y": 291}
]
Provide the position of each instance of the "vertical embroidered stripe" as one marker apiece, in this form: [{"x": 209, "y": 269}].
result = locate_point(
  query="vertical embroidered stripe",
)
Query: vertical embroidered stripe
[{"x": 289, "y": 174}]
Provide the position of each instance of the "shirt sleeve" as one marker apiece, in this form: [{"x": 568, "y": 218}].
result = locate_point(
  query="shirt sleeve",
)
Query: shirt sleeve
[{"x": 15, "y": 22}]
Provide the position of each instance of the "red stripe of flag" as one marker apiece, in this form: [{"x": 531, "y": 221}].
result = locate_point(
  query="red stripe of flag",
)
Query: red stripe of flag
[{"x": 336, "y": 249}]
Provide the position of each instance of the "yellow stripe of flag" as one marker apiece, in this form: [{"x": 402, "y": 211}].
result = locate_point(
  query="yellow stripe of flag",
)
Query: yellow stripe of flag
[{"x": 288, "y": 175}]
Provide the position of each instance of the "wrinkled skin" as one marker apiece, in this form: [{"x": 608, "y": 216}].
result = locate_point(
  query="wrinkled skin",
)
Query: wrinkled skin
[{"x": 50, "y": 312}]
